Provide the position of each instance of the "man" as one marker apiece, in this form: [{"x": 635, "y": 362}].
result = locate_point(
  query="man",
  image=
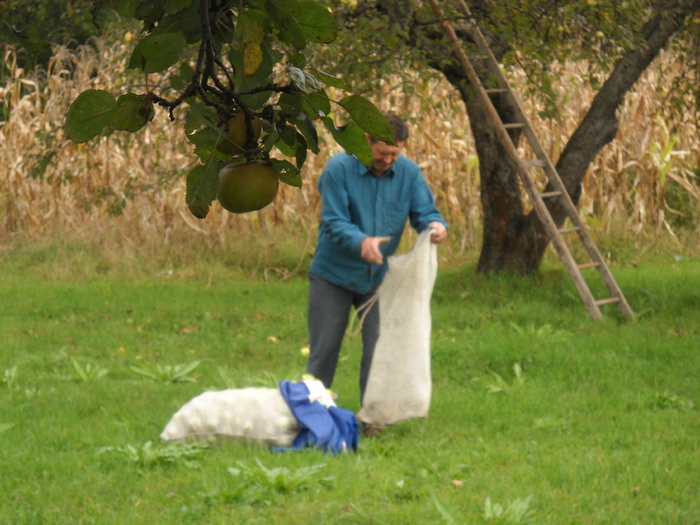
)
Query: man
[{"x": 363, "y": 216}]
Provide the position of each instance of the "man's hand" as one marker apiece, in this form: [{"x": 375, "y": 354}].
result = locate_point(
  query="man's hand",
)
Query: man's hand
[
  {"x": 440, "y": 233},
  {"x": 370, "y": 249}
]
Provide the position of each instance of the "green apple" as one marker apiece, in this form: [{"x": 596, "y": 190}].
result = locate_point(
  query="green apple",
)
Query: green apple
[
  {"x": 235, "y": 136},
  {"x": 247, "y": 187}
]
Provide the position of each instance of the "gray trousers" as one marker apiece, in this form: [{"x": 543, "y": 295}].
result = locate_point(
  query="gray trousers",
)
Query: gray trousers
[{"x": 328, "y": 316}]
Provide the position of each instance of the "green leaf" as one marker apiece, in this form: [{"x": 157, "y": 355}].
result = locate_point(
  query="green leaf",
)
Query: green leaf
[
  {"x": 261, "y": 77},
  {"x": 186, "y": 72},
  {"x": 175, "y": 6},
  {"x": 200, "y": 115},
  {"x": 352, "y": 139},
  {"x": 30, "y": 38},
  {"x": 285, "y": 7},
  {"x": 126, "y": 8},
  {"x": 7, "y": 34},
  {"x": 287, "y": 141},
  {"x": 293, "y": 144},
  {"x": 330, "y": 80},
  {"x": 306, "y": 125},
  {"x": 289, "y": 30},
  {"x": 369, "y": 118},
  {"x": 89, "y": 115},
  {"x": 157, "y": 52},
  {"x": 205, "y": 137},
  {"x": 301, "y": 152},
  {"x": 316, "y": 104},
  {"x": 132, "y": 112},
  {"x": 317, "y": 23},
  {"x": 150, "y": 11},
  {"x": 202, "y": 181},
  {"x": 186, "y": 22},
  {"x": 287, "y": 172}
]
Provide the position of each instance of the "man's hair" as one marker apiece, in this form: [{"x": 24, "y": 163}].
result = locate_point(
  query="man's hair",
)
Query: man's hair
[{"x": 400, "y": 128}]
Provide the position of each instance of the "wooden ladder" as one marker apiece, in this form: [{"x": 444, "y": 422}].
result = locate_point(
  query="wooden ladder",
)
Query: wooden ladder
[{"x": 542, "y": 161}]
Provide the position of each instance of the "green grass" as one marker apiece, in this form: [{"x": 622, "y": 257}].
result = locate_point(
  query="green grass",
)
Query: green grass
[{"x": 538, "y": 415}]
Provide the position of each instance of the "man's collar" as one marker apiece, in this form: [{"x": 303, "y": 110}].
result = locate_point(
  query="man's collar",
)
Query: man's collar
[{"x": 388, "y": 173}]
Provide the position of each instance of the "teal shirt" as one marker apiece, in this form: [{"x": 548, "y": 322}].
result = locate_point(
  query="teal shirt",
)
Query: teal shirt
[{"x": 358, "y": 204}]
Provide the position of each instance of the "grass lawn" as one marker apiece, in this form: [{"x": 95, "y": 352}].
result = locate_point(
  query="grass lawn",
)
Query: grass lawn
[{"x": 538, "y": 414}]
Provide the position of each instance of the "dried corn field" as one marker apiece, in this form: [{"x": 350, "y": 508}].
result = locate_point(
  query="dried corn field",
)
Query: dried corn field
[{"x": 126, "y": 193}]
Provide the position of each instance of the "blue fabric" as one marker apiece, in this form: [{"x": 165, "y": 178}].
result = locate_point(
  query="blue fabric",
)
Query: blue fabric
[
  {"x": 332, "y": 430},
  {"x": 357, "y": 204}
]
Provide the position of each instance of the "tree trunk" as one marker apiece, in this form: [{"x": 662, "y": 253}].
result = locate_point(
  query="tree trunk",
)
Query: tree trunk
[{"x": 512, "y": 240}]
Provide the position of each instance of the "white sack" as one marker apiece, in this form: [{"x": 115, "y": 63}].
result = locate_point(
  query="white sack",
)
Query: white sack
[
  {"x": 399, "y": 383},
  {"x": 253, "y": 414}
]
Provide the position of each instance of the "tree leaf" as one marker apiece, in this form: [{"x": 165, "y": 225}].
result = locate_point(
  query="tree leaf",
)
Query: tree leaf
[
  {"x": 186, "y": 22},
  {"x": 317, "y": 23},
  {"x": 298, "y": 78},
  {"x": 316, "y": 104},
  {"x": 289, "y": 30},
  {"x": 157, "y": 52},
  {"x": 202, "y": 182},
  {"x": 132, "y": 113},
  {"x": 262, "y": 76},
  {"x": 150, "y": 11},
  {"x": 7, "y": 34},
  {"x": 330, "y": 80},
  {"x": 352, "y": 139},
  {"x": 286, "y": 7},
  {"x": 252, "y": 35},
  {"x": 306, "y": 126},
  {"x": 287, "y": 172},
  {"x": 89, "y": 115},
  {"x": 30, "y": 37},
  {"x": 369, "y": 118},
  {"x": 175, "y": 6}
]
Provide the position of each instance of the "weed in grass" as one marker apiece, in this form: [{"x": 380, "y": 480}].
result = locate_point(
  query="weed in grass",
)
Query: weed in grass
[
  {"x": 88, "y": 372},
  {"x": 263, "y": 481},
  {"x": 167, "y": 373},
  {"x": 225, "y": 378},
  {"x": 149, "y": 454},
  {"x": 517, "y": 512},
  {"x": 4, "y": 427},
  {"x": 669, "y": 400},
  {"x": 501, "y": 386},
  {"x": 9, "y": 377}
]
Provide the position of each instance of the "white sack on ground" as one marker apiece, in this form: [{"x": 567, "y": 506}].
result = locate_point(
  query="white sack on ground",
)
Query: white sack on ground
[
  {"x": 252, "y": 414},
  {"x": 399, "y": 384}
]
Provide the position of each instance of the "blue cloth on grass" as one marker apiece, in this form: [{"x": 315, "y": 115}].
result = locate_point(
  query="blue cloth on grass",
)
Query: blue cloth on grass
[{"x": 332, "y": 429}]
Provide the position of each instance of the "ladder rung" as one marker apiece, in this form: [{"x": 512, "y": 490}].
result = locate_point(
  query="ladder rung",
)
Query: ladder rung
[
  {"x": 514, "y": 125},
  {"x": 530, "y": 163},
  {"x": 588, "y": 265},
  {"x": 608, "y": 301},
  {"x": 479, "y": 57},
  {"x": 550, "y": 194},
  {"x": 496, "y": 90},
  {"x": 569, "y": 230}
]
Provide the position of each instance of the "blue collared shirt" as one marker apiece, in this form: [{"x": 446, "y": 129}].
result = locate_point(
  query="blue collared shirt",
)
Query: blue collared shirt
[{"x": 357, "y": 204}]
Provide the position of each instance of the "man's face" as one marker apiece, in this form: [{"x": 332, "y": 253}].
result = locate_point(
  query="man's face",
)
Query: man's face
[{"x": 384, "y": 155}]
